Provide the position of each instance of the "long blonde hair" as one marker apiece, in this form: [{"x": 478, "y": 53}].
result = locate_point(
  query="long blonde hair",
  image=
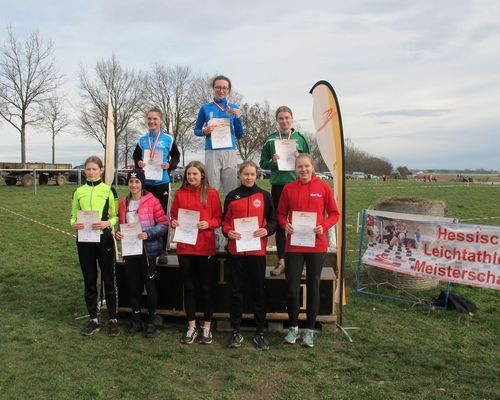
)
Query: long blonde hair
[{"x": 204, "y": 180}]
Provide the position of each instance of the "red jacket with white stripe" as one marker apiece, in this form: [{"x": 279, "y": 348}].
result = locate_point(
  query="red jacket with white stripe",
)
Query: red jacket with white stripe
[
  {"x": 313, "y": 196},
  {"x": 189, "y": 198},
  {"x": 249, "y": 202}
]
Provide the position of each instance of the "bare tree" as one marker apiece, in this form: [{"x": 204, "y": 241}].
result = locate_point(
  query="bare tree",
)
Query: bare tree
[
  {"x": 315, "y": 153},
  {"x": 259, "y": 123},
  {"x": 28, "y": 76},
  {"x": 170, "y": 89},
  {"x": 201, "y": 89},
  {"x": 128, "y": 141},
  {"x": 55, "y": 119},
  {"x": 127, "y": 98},
  {"x": 404, "y": 171}
]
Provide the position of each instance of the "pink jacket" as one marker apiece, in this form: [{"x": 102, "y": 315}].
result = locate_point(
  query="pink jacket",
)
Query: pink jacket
[{"x": 152, "y": 219}]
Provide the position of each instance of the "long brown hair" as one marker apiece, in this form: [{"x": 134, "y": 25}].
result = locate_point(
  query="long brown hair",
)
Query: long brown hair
[{"x": 204, "y": 180}]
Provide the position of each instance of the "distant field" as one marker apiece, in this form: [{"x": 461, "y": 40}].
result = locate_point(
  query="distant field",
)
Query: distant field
[{"x": 401, "y": 352}]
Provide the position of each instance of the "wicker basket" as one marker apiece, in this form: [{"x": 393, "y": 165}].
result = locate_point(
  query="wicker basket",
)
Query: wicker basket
[{"x": 408, "y": 205}]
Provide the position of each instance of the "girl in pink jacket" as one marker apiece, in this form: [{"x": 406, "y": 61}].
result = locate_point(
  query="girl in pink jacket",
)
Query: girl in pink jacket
[{"x": 144, "y": 208}]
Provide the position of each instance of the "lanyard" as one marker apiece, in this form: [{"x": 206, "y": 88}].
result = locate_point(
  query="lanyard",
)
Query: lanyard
[
  {"x": 289, "y": 135},
  {"x": 220, "y": 108},
  {"x": 152, "y": 147}
]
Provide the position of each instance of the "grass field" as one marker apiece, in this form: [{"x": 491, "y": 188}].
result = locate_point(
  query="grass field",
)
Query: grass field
[{"x": 400, "y": 352}]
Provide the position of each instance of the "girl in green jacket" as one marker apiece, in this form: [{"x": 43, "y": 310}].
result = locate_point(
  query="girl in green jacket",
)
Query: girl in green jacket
[{"x": 94, "y": 195}]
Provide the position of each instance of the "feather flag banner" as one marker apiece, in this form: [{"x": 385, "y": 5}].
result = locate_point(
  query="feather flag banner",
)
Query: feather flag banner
[
  {"x": 330, "y": 138},
  {"x": 109, "y": 157}
]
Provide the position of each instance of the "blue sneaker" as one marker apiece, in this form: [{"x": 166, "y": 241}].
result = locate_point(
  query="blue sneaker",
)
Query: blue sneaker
[
  {"x": 292, "y": 336},
  {"x": 308, "y": 338}
]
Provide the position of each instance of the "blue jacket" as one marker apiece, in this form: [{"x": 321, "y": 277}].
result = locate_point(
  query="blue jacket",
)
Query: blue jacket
[
  {"x": 166, "y": 145},
  {"x": 210, "y": 110}
]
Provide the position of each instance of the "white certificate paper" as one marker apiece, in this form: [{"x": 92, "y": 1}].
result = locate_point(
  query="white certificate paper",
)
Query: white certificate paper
[
  {"x": 153, "y": 169},
  {"x": 131, "y": 244},
  {"x": 88, "y": 234},
  {"x": 285, "y": 149},
  {"x": 187, "y": 231},
  {"x": 246, "y": 227},
  {"x": 303, "y": 229},
  {"x": 221, "y": 135}
]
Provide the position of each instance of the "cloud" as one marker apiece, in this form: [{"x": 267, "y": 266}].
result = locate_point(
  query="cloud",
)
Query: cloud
[{"x": 419, "y": 113}]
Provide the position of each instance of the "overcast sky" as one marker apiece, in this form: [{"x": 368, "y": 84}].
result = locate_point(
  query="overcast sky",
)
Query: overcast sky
[{"x": 417, "y": 82}]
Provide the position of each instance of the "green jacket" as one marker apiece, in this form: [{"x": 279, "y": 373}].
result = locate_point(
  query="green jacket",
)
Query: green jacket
[
  {"x": 266, "y": 157},
  {"x": 95, "y": 196}
]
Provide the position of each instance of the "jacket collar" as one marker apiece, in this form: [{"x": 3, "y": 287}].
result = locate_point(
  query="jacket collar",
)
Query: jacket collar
[{"x": 94, "y": 183}]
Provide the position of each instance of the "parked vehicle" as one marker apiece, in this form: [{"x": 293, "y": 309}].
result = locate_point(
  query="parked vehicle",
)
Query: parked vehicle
[
  {"x": 73, "y": 175},
  {"x": 177, "y": 174},
  {"x": 322, "y": 176},
  {"x": 45, "y": 172},
  {"x": 264, "y": 174}
]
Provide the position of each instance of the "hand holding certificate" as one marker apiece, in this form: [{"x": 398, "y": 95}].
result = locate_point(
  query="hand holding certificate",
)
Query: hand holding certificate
[
  {"x": 88, "y": 234},
  {"x": 152, "y": 168},
  {"x": 221, "y": 134},
  {"x": 187, "y": 229},
  {"x": 131, "y": 244},
  {"x": 285, "y": 149},
  {"x": 303, "y": 229},
  {"x": 246, "y": 227}
]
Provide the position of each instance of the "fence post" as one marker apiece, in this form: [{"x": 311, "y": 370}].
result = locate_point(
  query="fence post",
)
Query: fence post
[{"x": 34, "y": 181}]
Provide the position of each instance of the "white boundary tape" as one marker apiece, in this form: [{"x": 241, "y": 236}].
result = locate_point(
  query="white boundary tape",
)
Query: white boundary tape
[
  {"x": 39, "y": 223},
  {"x": 478, "y": 218}
]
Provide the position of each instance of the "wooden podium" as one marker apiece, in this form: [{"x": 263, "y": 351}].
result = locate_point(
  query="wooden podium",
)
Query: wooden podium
[{"x": 170, "y": 292}]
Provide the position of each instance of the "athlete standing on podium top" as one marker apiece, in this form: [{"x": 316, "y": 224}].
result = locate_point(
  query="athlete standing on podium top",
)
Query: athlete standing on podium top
[{"x": 219, "y": 117}]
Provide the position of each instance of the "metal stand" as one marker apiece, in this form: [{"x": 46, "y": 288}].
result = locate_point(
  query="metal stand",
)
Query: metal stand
[{"x": 344, "y": 330}]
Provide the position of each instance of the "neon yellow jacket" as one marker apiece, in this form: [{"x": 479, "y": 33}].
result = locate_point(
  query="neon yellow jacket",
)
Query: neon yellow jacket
[{"x": 95, "y": 196}]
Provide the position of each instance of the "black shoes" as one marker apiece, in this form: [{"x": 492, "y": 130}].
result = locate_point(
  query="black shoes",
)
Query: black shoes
[
  {"x": 90, "y": 328},
  {"x": 236, "y": 340},
  {"x": 206, "y": 336},
  {"x": 189, "y": 336},
  {"x": 113, "y": 329},
  {"x": 150, "y": 331},
  {"x": 134, "y": 329},
  {"x": 260, "y": 341}
]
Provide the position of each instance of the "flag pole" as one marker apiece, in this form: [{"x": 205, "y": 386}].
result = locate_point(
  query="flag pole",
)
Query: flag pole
[{"x": 330, "y": 137}]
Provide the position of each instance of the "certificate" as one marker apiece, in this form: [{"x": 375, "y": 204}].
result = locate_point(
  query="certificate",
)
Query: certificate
[
  {"x": 131, "y": 244},
  {"x": 187, "y": 231},
  {"x": 87, "y": 234},
  {"x": 152, "y": 168},
  {"x": 246, "y": 227},
  {"x": 285, "y": 149},
  {"x": 221, "y": 135},
  {"x": 303, "y": 229}
]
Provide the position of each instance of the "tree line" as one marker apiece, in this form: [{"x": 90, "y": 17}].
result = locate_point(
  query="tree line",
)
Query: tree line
[{"x": 30, "y": 95}]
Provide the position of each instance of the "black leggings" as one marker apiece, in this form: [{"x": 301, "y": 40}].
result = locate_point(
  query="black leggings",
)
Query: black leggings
[
  {"x": 197, "y": 269},
  {"x": 247, "y": 270},
  {"x": 103, "y": 253},
  {"x": 161, "y": 192},
  {"x": 294, "y": 263},
  {"x": 141, "y": 271},
  {"x": 280, "y": 232}
]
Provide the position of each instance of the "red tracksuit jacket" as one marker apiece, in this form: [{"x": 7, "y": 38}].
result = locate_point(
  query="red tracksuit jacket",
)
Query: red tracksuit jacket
[
  {"x": 189, "y": 198},
  {"x": 313, "y": 196},
  {"x": 249, "y": 202}
]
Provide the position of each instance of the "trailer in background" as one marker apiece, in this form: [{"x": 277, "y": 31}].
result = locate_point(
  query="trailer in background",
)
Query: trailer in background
[{"x": 26, "y": 173}]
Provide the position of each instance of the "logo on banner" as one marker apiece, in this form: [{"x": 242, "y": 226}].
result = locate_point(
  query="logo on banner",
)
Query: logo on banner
[{"x": 327, "y": 117}]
